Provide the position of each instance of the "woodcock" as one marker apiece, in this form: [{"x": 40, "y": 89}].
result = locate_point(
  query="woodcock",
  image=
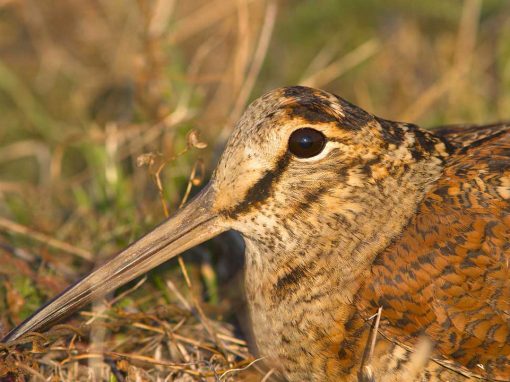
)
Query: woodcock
[{"x": 342, "y": 213}]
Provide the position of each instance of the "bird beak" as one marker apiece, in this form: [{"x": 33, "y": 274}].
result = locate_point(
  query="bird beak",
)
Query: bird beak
[{"x": 190, "y": 226}]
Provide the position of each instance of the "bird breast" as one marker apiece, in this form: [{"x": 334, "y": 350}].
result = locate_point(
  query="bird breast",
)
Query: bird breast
[{"x": 297, "y": 318}]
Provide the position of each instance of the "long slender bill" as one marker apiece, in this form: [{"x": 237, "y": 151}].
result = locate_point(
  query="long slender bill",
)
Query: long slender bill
[{"x": 190, "y": 226}]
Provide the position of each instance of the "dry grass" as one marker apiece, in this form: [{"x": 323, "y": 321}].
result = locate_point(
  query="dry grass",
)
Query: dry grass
[{"x": 89, "y": 90}]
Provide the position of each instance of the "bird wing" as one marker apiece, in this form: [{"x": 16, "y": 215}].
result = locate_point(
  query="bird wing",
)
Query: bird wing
[
  {"x": 447, "y": 276},
  {"x": 465, "y": 135}
]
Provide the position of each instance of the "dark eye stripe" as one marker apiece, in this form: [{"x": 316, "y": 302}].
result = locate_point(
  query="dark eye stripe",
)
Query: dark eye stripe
[{"x": 306, "y": 142}]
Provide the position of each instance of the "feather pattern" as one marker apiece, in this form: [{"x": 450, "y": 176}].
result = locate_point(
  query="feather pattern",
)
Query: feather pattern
[{"x": 447, "y": 276}]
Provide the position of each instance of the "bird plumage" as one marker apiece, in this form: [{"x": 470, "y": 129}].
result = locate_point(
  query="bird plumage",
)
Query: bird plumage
[
  {"x": 383, "y": 214},
  {"x": 447, "y": 275}
]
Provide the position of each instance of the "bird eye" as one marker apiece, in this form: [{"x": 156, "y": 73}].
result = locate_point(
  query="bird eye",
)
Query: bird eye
[{"x": 306, "y": 142}]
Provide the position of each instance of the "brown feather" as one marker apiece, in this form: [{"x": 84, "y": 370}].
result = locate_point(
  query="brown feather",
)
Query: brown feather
[{"x": 447, "y": 275}]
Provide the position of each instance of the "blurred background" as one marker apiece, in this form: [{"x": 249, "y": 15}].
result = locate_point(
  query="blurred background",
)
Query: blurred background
[{"x": 112, "y": 113}]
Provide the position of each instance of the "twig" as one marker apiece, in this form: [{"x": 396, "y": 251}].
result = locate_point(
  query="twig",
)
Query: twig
[
  {"x": 31, "y": 371},
  {"x": 175, "y": 335},
  {"x": 466, "y": 43},
  {"x": 241, "y": 368},
  {"x": 342, "y": 65},
  {"x": 374, "y": 333},
  {"x": 268, "y": 375},
  {"x": 209, "y": 14},
  {"x": 170, "y": 285},
  {"x": 109, "y": 304},
  {"x": 48, "y": 240},
  {"x": 233, "y": 340},
  {"x": 258, "y": 60},
  {"x": 198, "y": 167},
  {"x": 366, "y": 374},
  {"x": 127, "y": 292},
  {"x": 135, "y": 357}
]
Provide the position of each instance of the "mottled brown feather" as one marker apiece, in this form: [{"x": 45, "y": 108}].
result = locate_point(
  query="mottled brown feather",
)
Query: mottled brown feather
[
  {"x": 465, "y": 135},
  {"x": 447, "y": 276}
]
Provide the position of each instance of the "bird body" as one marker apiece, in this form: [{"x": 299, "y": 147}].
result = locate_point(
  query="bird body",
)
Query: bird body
[
  {"x": 344, "y": 214},
  {"x": 447, "y": 277}
]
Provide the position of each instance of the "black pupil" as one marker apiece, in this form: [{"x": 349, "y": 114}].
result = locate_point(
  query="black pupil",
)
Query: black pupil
[{"x": 306, "y": 142}]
